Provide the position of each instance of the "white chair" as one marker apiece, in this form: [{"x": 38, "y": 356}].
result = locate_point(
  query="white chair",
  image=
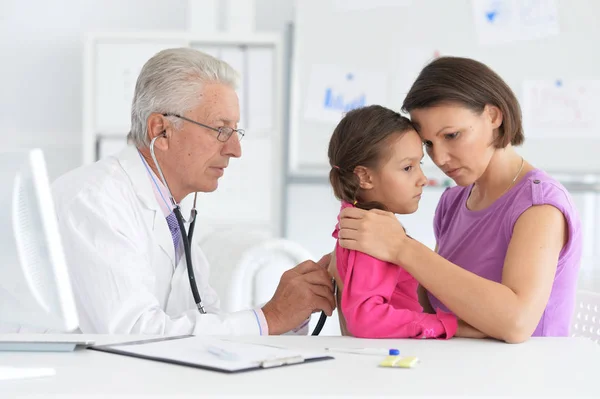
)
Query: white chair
[
  {"x": 586, "y": 319},
  {"x": 246, "y": 265}
]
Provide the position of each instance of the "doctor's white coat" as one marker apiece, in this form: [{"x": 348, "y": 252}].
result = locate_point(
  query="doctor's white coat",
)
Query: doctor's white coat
[{"x": 122, "y": 261}]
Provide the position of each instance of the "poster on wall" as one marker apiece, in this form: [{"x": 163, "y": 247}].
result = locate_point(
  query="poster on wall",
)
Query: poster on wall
[
  {"x": 505, "y": 21},
  {"x": 334, "y": 90},
  {"x": 561, "y": 108},
  {"x": 361, "y": 5}
]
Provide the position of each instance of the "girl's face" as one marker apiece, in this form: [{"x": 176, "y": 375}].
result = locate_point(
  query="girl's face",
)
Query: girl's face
[
  {"x": 458, "y": 140},
  {"x": 398, "y": 181}
]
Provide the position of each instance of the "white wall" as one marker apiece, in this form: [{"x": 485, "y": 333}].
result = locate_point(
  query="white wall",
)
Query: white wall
[
  {"x": 41, "y": 43},
  {"x": 273, "y": 15},
  {"x": 41, "y": 80}
]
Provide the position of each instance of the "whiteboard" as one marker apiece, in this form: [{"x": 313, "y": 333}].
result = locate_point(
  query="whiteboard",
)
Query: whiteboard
[{"x": 398, "y": 41}]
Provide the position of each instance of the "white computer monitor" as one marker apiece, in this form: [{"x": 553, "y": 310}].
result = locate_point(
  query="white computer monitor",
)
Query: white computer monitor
[{"x": 35, "y": 290}]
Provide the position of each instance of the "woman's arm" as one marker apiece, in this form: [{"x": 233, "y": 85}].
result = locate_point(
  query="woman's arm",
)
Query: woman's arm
[
  {"x": 466, "y": 331},
  {"x": 463, "y": 330},
  {"x": 509, "y": 310}
]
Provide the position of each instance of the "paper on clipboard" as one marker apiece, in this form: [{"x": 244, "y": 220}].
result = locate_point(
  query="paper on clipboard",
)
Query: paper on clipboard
[{"x": 212, "y": 353}]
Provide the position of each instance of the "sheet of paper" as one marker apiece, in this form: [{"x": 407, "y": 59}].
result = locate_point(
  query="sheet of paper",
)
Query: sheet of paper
[
  {"x": 213, "y": 352},
  {"x": 561, "y": 108},
  {"x": 505, "y": 21},
  {"x": 334, "y": 90},
  {"x": 359, "y": 5},
  {"x": 19, "y": 373}
]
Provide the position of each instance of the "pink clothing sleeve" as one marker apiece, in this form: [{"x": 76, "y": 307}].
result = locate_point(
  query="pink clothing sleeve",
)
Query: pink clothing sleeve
[{"x": 368, "y": 287}]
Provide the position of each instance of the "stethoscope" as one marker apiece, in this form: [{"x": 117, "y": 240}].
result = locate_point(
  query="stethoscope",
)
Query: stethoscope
[
  {"x": 186, "y": 236},
  {"x": 323, "y": 316},
  {"x": 187, "y": 239}
]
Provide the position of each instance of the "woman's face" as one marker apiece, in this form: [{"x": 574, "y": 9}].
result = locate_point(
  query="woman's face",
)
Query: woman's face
[{"x": 458, "y": 140}]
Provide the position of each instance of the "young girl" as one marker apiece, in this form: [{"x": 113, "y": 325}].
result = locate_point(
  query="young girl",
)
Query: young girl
[{"x": 375, "y": 156}]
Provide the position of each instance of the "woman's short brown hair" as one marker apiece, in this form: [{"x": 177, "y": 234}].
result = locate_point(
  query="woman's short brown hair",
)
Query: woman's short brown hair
[{"x": 472, "y": 84}]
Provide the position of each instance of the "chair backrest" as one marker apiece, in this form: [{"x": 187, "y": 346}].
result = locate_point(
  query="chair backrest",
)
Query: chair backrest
[
  {"x": 586, "y": 319},
  {"x": 246, "y": 265}
]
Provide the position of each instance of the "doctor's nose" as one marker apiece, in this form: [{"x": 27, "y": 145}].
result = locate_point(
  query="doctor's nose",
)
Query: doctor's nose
[{"x": 232, "y": 147}]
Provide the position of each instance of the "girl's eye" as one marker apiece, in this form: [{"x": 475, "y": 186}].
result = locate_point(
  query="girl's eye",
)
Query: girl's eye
[
  {"x": 451, "y": 136},
  {"x": 408, "y": 168}
]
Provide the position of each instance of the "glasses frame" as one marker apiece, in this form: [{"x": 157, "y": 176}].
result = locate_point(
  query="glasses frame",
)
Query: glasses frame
[{"x": 225, "y": 132}]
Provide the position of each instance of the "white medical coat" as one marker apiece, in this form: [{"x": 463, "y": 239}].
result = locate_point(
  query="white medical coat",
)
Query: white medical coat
[{"x": 121, "y": 257}]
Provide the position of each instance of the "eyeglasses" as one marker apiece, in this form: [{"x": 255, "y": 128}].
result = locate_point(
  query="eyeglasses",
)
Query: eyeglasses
[{"x": 224, "y": 131}]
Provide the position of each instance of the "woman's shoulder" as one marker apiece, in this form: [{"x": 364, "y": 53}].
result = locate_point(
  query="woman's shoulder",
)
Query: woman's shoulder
[{"x": 539, "y": 188}]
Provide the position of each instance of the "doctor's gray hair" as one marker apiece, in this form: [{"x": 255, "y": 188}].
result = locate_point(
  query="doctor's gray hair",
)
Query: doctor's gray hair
[{"x": 171, "y": 82}]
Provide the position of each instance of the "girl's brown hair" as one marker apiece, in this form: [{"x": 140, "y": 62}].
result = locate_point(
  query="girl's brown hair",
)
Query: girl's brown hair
[
  {"x": 360, "y": 139},
  {"x": 472, "y": 84}
]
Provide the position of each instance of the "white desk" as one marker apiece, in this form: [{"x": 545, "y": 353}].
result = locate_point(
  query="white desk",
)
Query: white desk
[{"x": 565, "y": 367}]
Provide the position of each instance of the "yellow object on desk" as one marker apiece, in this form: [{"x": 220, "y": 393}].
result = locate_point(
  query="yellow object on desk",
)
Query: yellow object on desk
[{"x": 395, "y": 360}]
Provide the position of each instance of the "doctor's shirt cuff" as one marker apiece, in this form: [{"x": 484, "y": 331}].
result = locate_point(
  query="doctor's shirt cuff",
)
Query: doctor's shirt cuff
[{"x": 262, "y": 321}]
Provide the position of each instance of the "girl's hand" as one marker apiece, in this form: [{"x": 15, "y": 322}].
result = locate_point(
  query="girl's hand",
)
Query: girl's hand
[{"x": 377, "y": 233}]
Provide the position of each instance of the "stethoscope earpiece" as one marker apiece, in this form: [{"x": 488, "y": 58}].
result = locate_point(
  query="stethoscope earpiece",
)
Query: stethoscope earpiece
[
  {"x": 186, "y": 236},
  {"x": 162, "y": 178}
]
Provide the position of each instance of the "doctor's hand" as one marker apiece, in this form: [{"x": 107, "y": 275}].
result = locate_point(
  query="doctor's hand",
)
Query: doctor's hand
[
  {"x": 375, "y": 232},
  {"x": 303, "y": 290}
]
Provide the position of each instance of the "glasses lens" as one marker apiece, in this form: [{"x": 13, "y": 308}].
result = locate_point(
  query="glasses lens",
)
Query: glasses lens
[{"x": 224, "y": 133}]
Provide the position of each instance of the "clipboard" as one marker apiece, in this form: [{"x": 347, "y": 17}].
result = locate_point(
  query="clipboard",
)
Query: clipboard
[{"x": 210, "y": 353}]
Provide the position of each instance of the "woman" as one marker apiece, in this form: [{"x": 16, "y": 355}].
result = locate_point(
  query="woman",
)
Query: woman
[{"x": 508, "y": 236}]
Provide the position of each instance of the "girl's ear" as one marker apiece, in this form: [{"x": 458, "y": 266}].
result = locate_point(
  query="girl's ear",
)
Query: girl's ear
[{"x": 365, "y": 177}]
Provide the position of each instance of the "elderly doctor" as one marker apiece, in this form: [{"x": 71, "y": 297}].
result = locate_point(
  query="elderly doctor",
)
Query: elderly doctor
[{"x": 123, "y": 243}]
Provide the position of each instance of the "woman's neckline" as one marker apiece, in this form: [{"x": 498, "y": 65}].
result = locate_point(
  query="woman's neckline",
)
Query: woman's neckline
[{"x": 500, "y": 199}]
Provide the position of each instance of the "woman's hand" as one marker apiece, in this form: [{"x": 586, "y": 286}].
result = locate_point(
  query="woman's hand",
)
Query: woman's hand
[
  {"x": 375, "y": 232},
  {"x": 466, "y": 331}
]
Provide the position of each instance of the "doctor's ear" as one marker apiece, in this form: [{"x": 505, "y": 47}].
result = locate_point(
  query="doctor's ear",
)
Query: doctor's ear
[{"x": 157, "y": 127}]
